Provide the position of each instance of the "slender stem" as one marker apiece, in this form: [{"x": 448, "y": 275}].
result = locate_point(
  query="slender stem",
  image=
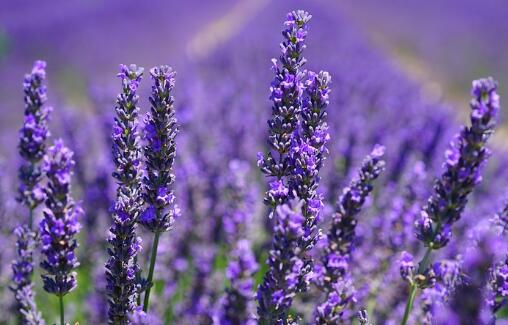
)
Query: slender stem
[
  {"x": 422, "y": 266},
  {"x": 409, "y": 304},
  {"x": 62, "y": 321},
  {"x": 425, "y": 261},
  {"x": 150, "y": 270}
]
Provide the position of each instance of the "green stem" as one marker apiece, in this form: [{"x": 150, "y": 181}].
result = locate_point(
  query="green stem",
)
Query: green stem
[
  {"x": 409, "y": 304},
  {"x": 150, "y": 270},
  {"x": 425, "y": 261},
  {"x": 62, "y": 321},
  {"x": 422, "y": 266}
]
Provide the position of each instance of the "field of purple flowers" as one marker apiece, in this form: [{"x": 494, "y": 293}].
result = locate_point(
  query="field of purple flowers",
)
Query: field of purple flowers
[{"x": 324, "y": 186}]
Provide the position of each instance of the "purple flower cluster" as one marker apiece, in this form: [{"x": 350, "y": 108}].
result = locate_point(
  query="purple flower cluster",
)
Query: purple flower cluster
[
  {"x": 32, "y": 148},
  {"x": 160, "y": 152},
  {"x": 288, "y": 271},
  {"x": 298, "y": 134},
  {"x": 33, "y": 135},
  {"x": 464, "y": 160},
  {"x": 121, "y": 267},
  {"x": 463, "y": 164},
  {"x": 286, "y": 95},
  {"x": 22, "y": 269},
  {"x": 160, "y": 132},
  {"x": 60, "y": 224},
  {"x": 331, "y": 275},
  {"x": 226, "y": 240}
]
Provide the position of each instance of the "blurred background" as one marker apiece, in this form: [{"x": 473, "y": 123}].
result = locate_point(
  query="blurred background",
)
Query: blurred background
[
  {"x": 441, "y": 44},
  {"x": 402, "y": 72}
]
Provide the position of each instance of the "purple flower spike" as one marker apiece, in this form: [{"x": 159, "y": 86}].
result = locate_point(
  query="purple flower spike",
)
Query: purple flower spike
[
  {"x": 333, "y": 272},
  {"x": 121, "y": 267},
  {"x": 32, "y": 148},
  {"x": 33, "y": 135},
  {"x": 60, "y": 224},
  {"x": 288, "y": 266},
  {"x": 286, "y": 95},
  {"x": 160, "y": 132},
  {"x": 22, "y": 269},
  {"x": 464, "y": 160}
]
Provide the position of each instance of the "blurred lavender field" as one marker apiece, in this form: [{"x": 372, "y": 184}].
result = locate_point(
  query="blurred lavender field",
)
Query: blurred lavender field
[{"x": 400, "y": 77}]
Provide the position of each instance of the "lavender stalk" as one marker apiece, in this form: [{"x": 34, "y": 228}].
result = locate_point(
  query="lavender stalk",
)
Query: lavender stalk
[
  {"x": 60, "y": 225},
  {"x": 464, "y": 160},
  {"x": 32, "y": 148},
  {"x": 160, "y": 132},
  {"x": 286, "y": 92},
  {"x": 332, "y": 275},
  {"x": 121, "y": 267}
]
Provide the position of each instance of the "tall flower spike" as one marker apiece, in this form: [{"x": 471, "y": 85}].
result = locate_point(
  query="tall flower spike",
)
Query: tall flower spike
[
  {"x": 33, "y": 135},
  {"x": 160, "y": 132},
  {"x": 32, "y": 148},
  {"x": 286, "y": 95},
  {"x": 287, "y": 267},
  {"x": 121, "y": 267},
  {"x": 463, "y": 164},
  {"x": 22, "y": 269},
  {"x": 308, "y": 152},
  {"x": 464, "y": 160},
  {"x": 60, "y": 224},
  {"x": 332, "y": 275}
]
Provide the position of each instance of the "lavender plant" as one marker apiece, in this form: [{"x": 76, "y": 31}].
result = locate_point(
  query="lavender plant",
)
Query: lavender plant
[
  {"x": 32, "y": 138},
  {"x": 32, "y": 148},
  {"x": 160, "y": 132},
  {"x": 121, "y": 267},
  {"x": 60, "y": 225},
  {"x": 298, "y": 134},
  {"x": 332, "y": 275},
  {"x": 464, "y": 160}
]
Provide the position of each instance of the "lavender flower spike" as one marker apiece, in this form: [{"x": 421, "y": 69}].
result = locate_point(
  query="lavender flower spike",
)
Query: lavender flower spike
[
  {"x": 33, "y": 135},
  {"x": 60, "y": 224},
  {"x": 286, "y": 92},
  {"x": 308, "y": 152},
  {"x": 464, "y": 160},
  {"x": 121, "y": 267},
  {"x": 160, "y": 132},
  {"x": 22, "y": 269},
  {"x": 32, "y": 148},
  {"x": 287, "y": 267},
  {"x": 332, "y": 275}
]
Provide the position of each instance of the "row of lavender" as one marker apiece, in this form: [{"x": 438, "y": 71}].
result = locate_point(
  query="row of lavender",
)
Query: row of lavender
[{"x": 220, "y": 211}]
